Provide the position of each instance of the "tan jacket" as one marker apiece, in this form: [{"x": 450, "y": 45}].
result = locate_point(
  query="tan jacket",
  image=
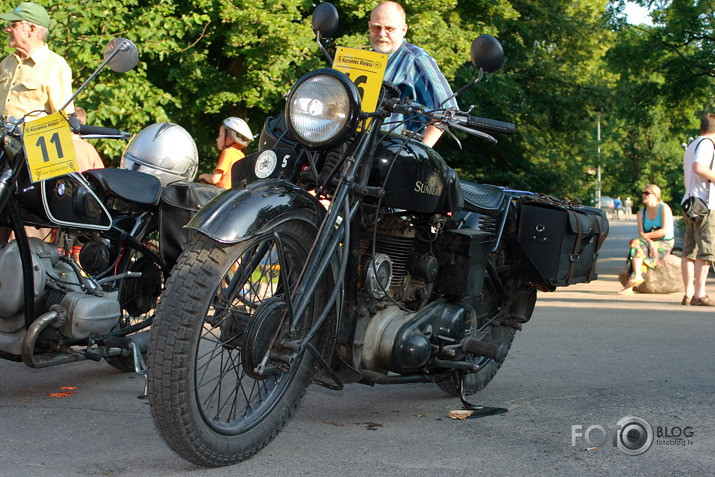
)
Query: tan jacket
[{"x": 42, "y": 82}]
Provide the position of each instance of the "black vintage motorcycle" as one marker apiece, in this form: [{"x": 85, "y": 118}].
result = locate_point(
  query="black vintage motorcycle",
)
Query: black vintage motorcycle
[
  {"x": 92, "y": 292},
  {"x": 410, "y": 275}
]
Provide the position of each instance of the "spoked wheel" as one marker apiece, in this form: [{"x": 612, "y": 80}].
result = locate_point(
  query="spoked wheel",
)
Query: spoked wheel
[
  {"x": 138, "y": 298},
  {"x": 224, "y": 376}
]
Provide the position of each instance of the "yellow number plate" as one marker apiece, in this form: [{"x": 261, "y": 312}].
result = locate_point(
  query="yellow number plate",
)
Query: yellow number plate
[
  {"x": 49, "y": 147},
  {"x": 366, "y": 70}
]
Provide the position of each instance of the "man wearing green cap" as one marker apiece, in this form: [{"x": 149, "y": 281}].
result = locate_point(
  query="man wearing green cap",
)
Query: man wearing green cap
[{"x": 33, "y": 78}]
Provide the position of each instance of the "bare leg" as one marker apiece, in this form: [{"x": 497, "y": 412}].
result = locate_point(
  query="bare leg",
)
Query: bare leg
[
  {"x": 701, "y": 269},
  {"x": 637, "y": 264},
  {"x": 637, "y": 279},
  {"x": 687, "y": 267}
]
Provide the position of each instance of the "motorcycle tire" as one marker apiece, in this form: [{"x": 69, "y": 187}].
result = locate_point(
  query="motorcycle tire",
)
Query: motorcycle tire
[
  {"x": 138, "y": 297},
  {"x": 222, "y": 311}
]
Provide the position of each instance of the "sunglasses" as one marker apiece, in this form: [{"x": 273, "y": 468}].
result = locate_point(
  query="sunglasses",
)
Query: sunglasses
[
  {"x": 378, "y": 28},
  {"x": 646, "y": 192}
]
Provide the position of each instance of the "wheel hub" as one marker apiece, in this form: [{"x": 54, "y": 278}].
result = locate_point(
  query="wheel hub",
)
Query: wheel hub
[{"x": 261, "y": 335}]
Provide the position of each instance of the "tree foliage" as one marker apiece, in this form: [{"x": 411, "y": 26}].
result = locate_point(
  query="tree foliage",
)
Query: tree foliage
[
  {"x": 567, "y": 64},
  {"x": 665, "y": 84}
]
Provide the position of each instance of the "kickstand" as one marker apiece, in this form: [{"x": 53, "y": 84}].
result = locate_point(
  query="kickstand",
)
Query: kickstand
[
  {"x": 140, "y": 368},
  {"x": 478, "y": 411}
]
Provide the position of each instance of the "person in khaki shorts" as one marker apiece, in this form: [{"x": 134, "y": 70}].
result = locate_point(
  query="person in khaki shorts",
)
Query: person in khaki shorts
[{"x": 699, "y": 240}]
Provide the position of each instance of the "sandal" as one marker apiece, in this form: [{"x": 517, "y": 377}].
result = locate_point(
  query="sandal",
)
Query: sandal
[{"x": 686, "y": 300}]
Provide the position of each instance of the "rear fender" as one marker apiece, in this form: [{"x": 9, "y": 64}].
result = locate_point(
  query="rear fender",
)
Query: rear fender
[{"x": 238, "y": 214}]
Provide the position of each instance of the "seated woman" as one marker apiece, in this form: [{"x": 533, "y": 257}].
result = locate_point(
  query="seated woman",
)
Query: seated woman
[{"x": 655, "y": 237}]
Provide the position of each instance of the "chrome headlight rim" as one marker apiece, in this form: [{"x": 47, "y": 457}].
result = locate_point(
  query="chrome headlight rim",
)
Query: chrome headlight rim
[{"x": 352, "y": 113}]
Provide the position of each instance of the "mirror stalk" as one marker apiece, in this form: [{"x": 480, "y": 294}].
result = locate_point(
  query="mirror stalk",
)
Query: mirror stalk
[
  {"x": 325, "y": 52},
  {"x": 126, "y": 45},
  {"x": 465, "y": 87}
]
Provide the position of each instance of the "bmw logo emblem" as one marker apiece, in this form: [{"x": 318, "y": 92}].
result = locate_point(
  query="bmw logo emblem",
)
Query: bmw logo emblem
[{"x": 60, "y": 188}]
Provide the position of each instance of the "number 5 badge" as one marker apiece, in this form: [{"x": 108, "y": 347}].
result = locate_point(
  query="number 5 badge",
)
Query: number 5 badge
[{"x": 49, "y": 147}]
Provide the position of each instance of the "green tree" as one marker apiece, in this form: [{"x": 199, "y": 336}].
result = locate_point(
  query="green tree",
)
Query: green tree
[
  {"x": 551, "y": 86},
  {"x": 566, "y": 63},
  {"x": 665, "y": 83}
]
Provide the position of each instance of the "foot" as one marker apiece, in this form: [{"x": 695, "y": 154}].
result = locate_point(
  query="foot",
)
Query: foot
[
  {"x": 626, "y": 291},
  {"x": 702, "y": 301},
  {"x": 686, "y": 300},
  {"x": 635, "y": 282}
]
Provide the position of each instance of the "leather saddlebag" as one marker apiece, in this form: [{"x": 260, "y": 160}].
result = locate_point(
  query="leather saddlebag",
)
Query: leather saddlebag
[
  {"x": 557, "y": 242},
  {"x": 179, "y": 203}
]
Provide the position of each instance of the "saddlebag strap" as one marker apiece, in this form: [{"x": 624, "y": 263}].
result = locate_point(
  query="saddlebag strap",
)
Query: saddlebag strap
[
  {"x": 601, "y": 239},
  {"x": 576, "y": 255}
]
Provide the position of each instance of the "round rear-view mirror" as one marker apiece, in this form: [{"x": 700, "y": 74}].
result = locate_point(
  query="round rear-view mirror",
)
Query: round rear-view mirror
[
  {"x": 325, "y": 20},
  {"x": 125, "y": 59},
  {"x": 487, "y": 53}
]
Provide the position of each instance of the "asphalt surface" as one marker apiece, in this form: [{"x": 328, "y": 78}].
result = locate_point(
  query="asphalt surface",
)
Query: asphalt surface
[{"x": 587, "y": 358}]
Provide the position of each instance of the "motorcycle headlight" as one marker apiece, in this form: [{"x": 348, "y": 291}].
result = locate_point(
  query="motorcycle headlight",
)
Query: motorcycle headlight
[{"x": 323, "y": 109}]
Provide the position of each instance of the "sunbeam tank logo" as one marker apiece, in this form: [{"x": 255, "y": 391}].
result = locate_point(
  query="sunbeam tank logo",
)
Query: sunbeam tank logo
[{"x": 432, "y": 187}]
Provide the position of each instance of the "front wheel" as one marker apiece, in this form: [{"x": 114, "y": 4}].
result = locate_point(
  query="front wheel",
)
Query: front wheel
[{"x": 225, "y": 312}]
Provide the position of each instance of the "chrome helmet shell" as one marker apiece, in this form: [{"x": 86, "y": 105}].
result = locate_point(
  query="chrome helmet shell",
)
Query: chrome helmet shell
[{"x": 164, "y": 150}]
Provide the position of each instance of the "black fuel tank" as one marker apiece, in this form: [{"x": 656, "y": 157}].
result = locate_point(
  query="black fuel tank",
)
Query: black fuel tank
[{"x": 415, "y": 177}]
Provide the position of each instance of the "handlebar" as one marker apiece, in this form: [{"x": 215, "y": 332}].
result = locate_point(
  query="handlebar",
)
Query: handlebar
[
  {"x": 99, "y": 132},
  {"x": 491, "y": 126},
  {"x": 482, "y": 127}
]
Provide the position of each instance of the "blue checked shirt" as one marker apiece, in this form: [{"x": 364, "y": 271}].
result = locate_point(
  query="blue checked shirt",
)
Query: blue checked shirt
[{"x": 418, "y": 77}]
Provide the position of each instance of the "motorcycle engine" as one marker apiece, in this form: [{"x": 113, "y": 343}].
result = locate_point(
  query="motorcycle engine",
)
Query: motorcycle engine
[
  {"x": 12, "y": 300},
  {"x": 55, "y": 282},
  {"x": 403, "y": 267}
]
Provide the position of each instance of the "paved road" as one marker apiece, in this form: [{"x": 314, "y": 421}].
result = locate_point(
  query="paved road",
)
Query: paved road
[{"x": 587, "y": 358}]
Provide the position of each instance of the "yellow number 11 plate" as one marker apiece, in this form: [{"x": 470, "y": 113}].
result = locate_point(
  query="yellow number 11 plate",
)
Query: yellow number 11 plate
[{"x": 49, "y": 147}]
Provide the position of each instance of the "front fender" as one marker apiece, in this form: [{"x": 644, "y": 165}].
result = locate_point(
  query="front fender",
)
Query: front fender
[{"x": 240, "y": 213}]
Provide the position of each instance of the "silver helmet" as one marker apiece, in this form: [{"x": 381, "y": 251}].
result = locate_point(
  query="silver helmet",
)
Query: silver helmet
[{"x": 164, "y": 150}]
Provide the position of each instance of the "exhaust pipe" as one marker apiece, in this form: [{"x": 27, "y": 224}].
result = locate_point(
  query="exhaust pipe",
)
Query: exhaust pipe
[{"x": 56, "y": 314}]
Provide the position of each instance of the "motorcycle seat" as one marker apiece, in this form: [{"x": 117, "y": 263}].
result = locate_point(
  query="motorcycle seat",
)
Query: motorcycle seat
[
  {"x": 482, "y": 198},
  {"x": 132, "y": 186}
]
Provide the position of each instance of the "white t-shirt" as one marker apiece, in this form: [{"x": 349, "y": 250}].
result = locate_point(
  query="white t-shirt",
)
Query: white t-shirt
[{"x": 701, "y": 150}]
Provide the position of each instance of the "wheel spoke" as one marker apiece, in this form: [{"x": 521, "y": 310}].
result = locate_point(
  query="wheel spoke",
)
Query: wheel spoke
[{"x": 225, "y": 391}]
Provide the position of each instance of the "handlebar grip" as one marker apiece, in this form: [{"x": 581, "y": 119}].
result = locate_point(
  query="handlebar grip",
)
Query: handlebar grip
[
  {"x": 86, "y": 130},
  {"x": 491, "y": 126}
]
